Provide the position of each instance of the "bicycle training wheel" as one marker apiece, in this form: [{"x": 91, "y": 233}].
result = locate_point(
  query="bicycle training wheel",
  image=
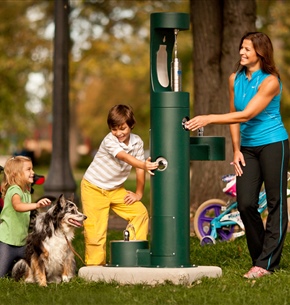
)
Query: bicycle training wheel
[{"x": 205, "y": 213}]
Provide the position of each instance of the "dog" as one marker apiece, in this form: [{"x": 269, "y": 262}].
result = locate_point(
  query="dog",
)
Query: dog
[{"x": 49, "y": 256}]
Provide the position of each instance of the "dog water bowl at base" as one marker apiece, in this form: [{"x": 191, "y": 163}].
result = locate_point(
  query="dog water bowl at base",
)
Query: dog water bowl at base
[{"x": 127, "y": 253}]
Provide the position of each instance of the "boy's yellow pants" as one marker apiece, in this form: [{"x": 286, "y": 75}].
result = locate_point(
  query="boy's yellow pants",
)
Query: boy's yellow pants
[{"x": 96, "y": 204}]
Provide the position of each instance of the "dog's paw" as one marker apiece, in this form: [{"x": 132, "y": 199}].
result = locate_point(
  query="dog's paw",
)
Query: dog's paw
[
  {"x": 65, "y": 279},
  {"x": 42, "y": 284},
  {"x": 29, "y": 280}
]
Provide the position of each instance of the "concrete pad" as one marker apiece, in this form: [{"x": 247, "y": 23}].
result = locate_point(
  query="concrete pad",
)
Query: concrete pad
[{"x": 148, "y": 275}]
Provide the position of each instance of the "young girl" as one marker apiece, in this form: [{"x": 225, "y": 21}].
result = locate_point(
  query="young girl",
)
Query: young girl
[{"x": 15, "y": 216}]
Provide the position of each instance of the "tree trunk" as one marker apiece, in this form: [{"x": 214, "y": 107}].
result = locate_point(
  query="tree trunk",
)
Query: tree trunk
[
  {"x": 217, "y": 29},
  {"x": 60, "y": 178}
]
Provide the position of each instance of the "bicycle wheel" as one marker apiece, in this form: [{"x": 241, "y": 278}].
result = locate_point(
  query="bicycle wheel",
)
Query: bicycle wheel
[{"x": 205, "y": 213}]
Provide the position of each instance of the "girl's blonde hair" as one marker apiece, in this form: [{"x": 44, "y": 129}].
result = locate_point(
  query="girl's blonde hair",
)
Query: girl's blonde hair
[{"x": 14, "y": 175}]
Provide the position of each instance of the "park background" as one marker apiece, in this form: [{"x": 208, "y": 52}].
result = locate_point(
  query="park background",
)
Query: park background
[{"x": 109, "y": 64}]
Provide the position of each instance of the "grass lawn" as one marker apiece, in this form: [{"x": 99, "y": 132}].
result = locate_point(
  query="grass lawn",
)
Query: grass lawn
[{"x": 231, "y": 288}]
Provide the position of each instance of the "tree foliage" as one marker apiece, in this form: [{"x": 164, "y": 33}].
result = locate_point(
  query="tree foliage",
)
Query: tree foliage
[
  {"x": 19, "y": 43},
  {"x": 110, "y": 61},
  {"x": 115, "y": 66},
  {"x": 273, "y": 19},
  {"x": 109, "y": 64}
]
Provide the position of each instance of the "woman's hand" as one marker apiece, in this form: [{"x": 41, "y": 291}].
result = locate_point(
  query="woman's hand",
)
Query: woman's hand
[
  {"x": 237, "y": 162},
  {"x": 197, "y": 122}
]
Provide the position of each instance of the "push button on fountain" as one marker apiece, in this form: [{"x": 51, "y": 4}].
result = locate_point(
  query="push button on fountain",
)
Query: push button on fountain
[
  {"x": 162, "y": 164},
  {"x": 184, "y": 120}
]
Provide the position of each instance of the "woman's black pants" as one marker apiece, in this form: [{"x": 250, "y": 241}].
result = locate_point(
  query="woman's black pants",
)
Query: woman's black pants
[{"x": 266, "y": 164}]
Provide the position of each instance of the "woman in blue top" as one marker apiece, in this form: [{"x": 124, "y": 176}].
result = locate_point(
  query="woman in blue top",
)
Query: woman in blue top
[{"x": 260, "y": 147}]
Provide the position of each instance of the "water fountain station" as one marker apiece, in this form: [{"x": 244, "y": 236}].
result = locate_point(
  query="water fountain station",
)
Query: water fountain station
[{"x": 167, "y": 255}]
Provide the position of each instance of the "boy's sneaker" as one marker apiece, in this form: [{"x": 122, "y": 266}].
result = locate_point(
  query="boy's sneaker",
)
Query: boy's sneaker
[{"x": 256, "y": 272}]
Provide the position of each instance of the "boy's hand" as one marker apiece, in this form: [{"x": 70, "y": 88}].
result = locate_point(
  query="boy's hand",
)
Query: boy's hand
[
  {"x": 150, "y": 166},
  {"x": 131, "y": 197}
]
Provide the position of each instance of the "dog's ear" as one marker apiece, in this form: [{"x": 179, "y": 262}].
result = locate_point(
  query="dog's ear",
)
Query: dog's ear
[
  {"x": 62, "y": 201},
  {"x": 72, "y": 197}
]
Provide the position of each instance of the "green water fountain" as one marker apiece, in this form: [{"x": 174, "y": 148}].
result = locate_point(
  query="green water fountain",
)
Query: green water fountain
[
  {"x": 173, "y": 148},
  {"x": 168, "y": 250}
]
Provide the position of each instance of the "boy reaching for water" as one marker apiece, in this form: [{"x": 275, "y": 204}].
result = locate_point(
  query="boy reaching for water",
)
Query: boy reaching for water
[{"x": 102, "y": 185}]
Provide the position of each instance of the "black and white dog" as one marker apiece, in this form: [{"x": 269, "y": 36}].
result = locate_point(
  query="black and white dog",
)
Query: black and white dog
[{"x": 49, "y": 253}]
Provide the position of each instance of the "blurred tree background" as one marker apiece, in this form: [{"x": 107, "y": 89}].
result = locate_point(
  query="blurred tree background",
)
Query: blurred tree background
[
  {"x": 273, "y": 18},
  {"x": 25, "y": 52},
  {"x": 109, "y": 64}
]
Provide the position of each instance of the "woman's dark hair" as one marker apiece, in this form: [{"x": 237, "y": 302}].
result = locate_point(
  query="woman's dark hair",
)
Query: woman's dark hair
[
  {"x": 120, "y": 114},
  {"x": 264, "y": 49}
]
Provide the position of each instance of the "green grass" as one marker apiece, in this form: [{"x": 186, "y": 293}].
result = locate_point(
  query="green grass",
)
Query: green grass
[{"x": 230, "y": 288}]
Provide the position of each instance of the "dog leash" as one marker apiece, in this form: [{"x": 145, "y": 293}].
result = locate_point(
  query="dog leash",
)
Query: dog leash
[{"x": 72, "y": 248}]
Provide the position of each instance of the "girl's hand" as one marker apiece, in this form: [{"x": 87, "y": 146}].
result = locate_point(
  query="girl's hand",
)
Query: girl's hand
[
  {"x": 131, "y": 197},
  {"x": 150, "y": 166},
  {"x": 43, "y": 203},
  {"x": 237, "y": 162}
]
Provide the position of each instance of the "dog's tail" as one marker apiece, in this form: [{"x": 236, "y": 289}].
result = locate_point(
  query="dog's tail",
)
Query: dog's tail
[{"x": 20, "y": 270}]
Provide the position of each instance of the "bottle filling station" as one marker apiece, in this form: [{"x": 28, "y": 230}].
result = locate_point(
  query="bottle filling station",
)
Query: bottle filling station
[{"x": 168, "y": 251}]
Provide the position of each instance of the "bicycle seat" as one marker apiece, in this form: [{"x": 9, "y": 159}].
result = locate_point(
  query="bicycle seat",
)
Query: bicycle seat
[{"x": 230, "y": 188}]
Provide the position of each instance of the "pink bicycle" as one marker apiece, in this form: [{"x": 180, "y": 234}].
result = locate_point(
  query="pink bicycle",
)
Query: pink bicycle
[{"x": 216, "y": 219}]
